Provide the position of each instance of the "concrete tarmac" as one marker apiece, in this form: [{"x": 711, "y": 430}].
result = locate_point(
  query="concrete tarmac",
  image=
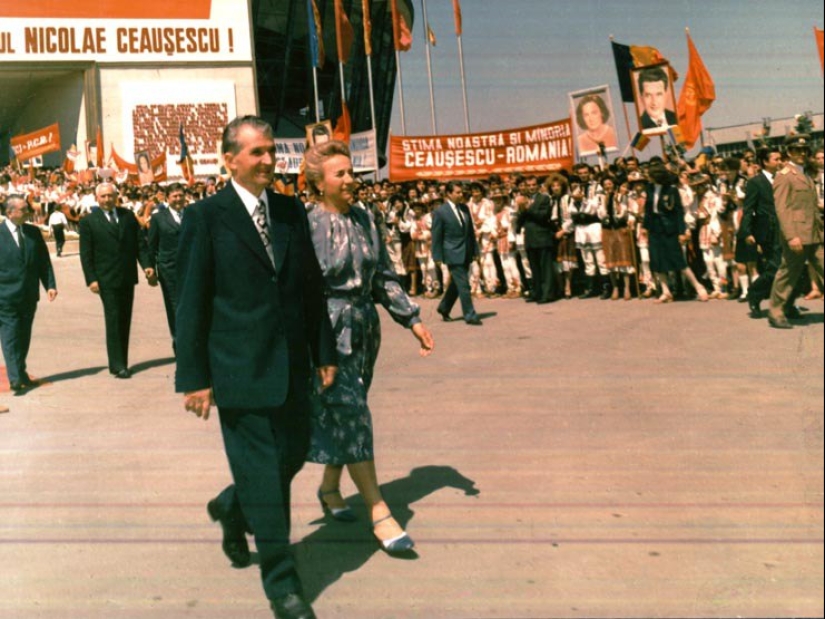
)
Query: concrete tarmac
[{"x": 581, "y": 459}]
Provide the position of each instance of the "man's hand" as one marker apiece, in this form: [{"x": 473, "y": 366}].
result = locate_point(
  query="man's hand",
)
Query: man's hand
[
  {"x": 423, "y": 335},
  {"x": 327, "y": 376},
  {"x": 94, "y": 287},
  {"x": 52, "y": 295},
  {"x": 750, "y": 240},
  {"x": 796, "y": 245},
  {"x": 199, "y": 402}
]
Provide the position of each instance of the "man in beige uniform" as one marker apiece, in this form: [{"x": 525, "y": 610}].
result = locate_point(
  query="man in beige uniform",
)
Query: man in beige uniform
[{"x": 800, "y": 227}]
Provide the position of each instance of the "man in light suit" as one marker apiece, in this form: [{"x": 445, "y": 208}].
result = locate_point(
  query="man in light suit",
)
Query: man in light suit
[
  {"x": 24, "y": 266},
  {"x": 800, "y": 228},
  {"x": 111, "y": 246},
  {"x": 454, "y": 244},
  {"x": 164, "y": 233},
  {"x": 251, "y": 322}
]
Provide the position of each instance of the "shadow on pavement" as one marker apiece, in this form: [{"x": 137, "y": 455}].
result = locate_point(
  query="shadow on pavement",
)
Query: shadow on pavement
[
  {"x": 809, "y": 319},
  {"x": 338, "y": 548},
  {"x": 73, "y": 375},
  {"x": 148, "y": 365}
]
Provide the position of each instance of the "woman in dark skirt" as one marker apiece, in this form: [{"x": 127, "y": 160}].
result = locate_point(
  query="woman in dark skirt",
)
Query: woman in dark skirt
[
  {"x": 616, "y": 237},
  {"x": 665, "y": 224}
]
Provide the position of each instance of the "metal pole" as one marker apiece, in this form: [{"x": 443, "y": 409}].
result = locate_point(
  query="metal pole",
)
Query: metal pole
[
  {"x": 372, "y": 113},
  {"x": 401, "y": 92},
  {"x": 343, "y": 86},
  {"x": 429, "y": 66},
  {"x": 464, "y": 85},
  {"x": 315, "y": 86}
]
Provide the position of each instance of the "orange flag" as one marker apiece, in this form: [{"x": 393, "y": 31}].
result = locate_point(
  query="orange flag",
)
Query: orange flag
[
  {"x": 818, "y": 33},
  {"x": 367, "y": 23},
  {"x": 459, "y": 22},
  {"x": 99, "y": 148},
  {"x": 698, "y": 94},
  {"x": 401, "y": 34},
  {"x": 343, "y": 32},
  {"x": 343, "y": 128}
]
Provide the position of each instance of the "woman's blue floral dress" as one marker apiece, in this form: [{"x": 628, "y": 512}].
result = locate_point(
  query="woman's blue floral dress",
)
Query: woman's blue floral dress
[{"x": 357, "y": 272}]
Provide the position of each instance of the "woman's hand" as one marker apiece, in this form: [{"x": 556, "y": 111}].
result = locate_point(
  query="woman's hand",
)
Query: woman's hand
[{"x": 423, "y": 335}]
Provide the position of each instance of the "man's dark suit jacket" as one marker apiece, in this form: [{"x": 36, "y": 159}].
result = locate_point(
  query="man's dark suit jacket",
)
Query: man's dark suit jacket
[
  {"x": 649, "y": 123},
  {"x": 245, "y": 328},
  {"x": 453, "y": 244},
  {"x": 22, "y": 273},
  {"x": 110, "y": 255},
  {"x": 164, "y": 233},
  {"x": 539, "y": 231},
  {"x": 759, "y": 212}
]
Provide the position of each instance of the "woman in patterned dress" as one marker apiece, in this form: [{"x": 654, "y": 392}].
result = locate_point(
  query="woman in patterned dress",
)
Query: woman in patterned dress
[{"x": 356, "y": 270}]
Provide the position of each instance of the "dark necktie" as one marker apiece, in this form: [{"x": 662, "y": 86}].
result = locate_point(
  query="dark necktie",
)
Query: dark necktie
[
  {"x": 259, "y": 217},
  {"x": 19, "y": 235},
  {"x": 112, "y": 218}
]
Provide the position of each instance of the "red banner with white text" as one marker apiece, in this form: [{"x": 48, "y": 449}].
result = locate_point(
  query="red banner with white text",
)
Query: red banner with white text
[
  {"x": 539, "y": 149},
  {"x": 36, "y": 143}
]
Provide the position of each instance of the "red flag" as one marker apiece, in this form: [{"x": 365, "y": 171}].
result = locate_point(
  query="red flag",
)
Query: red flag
[
  {"x": 71, "y": 158},
  {"x": 343, "y": 128},
  {"x": 459, "y": 22},
  {"x": 818, "y": 33},
  {"x": 698, "y": 94},
  {"x": 343, "y": 32},
  {"x": 401, "y": 34},
  {"x": 99, "y": 147},
  {"x": 367, "y": 23}
]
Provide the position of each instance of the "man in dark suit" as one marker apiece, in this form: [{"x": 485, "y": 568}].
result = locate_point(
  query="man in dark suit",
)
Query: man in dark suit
[
  {"x": 454, "y": 244},
  {"x": 251, "y": 323},
  {"x": 759, "y": 227},
  {"x": 164, "y": 232},
  {"x": 654, "y": 91},
  {"x": 800, "y": 229},
  {"x": 24, "y": 266},
  {"x": 539, "y": 241},
  {"x": 111, "y": 246}
]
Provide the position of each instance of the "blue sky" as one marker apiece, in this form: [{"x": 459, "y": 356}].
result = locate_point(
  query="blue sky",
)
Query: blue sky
[{"x": 523, "y": 57}]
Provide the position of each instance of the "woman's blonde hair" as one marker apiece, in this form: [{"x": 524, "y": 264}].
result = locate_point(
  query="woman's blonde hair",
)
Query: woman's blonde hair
[{"x": 317, "y": 155}]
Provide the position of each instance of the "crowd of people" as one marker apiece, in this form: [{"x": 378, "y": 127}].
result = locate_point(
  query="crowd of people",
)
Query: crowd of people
[{"x": 588, "y": 240}]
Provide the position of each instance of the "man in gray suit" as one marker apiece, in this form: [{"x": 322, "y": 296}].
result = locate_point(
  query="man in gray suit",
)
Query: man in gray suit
[{"x": 454, "y": 244}]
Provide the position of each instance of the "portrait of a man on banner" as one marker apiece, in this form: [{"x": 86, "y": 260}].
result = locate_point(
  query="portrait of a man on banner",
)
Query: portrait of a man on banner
[
  {"x": 592, "y": 115},
  {"x": 319, "y": 133},
  {"x": 655, "y": 99}
]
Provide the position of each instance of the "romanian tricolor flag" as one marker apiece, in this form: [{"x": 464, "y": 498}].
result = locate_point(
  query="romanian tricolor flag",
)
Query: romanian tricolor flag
[
  {"x": 629, "y": 57},
  {"x": 698, "y": 94},
  {"x": 316, "y": 35}
]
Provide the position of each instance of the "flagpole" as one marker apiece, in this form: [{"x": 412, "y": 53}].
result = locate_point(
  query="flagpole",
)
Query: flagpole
[
  {"x": 315, "y": 87},
  {"x": 427, "y": 44},
  {"x": 401, "y": 92},
  {"x": 463, "y": 85},
  {"x": 372, "y": 114}
]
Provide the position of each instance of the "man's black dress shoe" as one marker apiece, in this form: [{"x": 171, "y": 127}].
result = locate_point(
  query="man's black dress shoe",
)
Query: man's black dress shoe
[
  {"x": 234, "y": 544},
  {"x": 20, "y": 388},
  {"x": 755, "y": 307},
  {"x": 793, "y": 313},
  {"x": 475, "y": 321},
  {"x": 779, "y": 323},
  {"x": 444, "y": 316},
  {"x": 123, "y": 374},
  {"x": 292, "y": 606}
]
